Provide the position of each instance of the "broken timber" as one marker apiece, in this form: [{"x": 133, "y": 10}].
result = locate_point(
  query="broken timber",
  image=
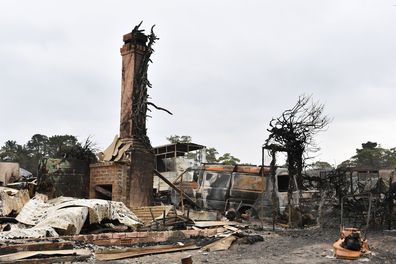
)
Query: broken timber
[
  {"x": 205, "y": 224},
  {"x": 114, "y": 254},
  {"x": 222, "y": 244},
  {"x": 28, "y": 254},
  {"x": 181, "y": 192},
  {"x": 103, "y": 191},
  {"x": 36, "y": 246}
]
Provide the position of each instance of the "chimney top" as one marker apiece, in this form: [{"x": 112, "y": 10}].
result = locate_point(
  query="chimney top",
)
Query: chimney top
[{"x": 135, "y": 38}]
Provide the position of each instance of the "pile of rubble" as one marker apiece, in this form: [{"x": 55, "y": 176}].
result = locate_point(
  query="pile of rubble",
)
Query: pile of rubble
[
  {"x": 42, "y": 230},
  {"x": 41, "y": 217}
]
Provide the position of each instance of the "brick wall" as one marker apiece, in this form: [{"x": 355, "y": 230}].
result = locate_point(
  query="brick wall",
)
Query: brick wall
[
  {"x": 141, "y": 177},
  {"x": 130, "y": 238},
  {"x": 110, "y": 173}
]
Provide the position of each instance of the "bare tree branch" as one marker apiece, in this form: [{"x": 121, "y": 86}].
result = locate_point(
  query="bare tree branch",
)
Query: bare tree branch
[
  {"x": 293, "y": 132},
  {"x": 159, "y": 108}
]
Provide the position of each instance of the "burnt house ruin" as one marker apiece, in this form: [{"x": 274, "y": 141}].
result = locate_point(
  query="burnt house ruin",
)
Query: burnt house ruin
[{"x": 177, "y": 161}]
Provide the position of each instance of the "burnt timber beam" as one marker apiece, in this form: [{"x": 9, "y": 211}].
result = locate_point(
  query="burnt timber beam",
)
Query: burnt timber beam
[
  {"x": 103, "y": 191},
  {"x": 181, "y": 192},
  {"x": 36, "y": 246}
]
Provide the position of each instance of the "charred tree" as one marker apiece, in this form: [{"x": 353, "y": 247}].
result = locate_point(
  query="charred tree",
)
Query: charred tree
[{"x": 294, "y": 131}]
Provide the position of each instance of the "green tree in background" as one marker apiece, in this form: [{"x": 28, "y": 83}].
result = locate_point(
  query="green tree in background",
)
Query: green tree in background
[
  {"x": 372, "y": 155},
  {"x": 179, "y": 139},
  {"x": 39, "y": 146},
  {"x": 228, "y": 159},
  {"x": 60, "y": 145},
  {"x": 211, "y": 153},
  {"x": 11, "y": 151},
  {"x": 321, "y": 165}
]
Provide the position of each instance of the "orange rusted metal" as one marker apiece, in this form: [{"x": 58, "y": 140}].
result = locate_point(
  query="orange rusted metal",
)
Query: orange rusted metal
[
  {"x": 219, "y": 167},
  {"x": 247, "y": 183},
  {"x": 250, "y": 169},
  {"x": 344, "y": 253}
]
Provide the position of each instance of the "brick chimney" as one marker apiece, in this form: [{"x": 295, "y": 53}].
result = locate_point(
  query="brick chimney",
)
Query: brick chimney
[
  {"x": 135, "y": 57},
  {"x": 132, "y": 52}
]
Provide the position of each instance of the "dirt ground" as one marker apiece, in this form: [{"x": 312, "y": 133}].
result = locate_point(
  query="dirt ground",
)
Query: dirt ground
[{"x": 311, "y": 245}]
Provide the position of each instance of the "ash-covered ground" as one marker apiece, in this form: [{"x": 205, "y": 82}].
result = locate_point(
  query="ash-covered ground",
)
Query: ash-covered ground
[{"x": 312, "y": 245}]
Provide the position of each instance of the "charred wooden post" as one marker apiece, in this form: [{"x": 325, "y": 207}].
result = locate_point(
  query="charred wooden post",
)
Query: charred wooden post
[
  {"x": 273, "y": 193},
  {"x": 136, "y": 53},
  {"x": 391, "y": 197},
  {"x": 273, "y": 148}
]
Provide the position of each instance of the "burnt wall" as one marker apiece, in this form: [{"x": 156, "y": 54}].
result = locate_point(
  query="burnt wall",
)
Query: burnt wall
[
  {"x": 114, "y": 174},
  {"x": 63, "y": 177},
  {"x": 141, "y": 177}
]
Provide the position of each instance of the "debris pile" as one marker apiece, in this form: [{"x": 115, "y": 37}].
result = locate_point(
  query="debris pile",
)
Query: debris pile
[
  {"x": 73, "y": 229},
  {"x": 12, "y": 200},
  {"x": 46, "y": 219},
  {"x": 43, "y": 252},
  {"x": 41, "y": 217}
]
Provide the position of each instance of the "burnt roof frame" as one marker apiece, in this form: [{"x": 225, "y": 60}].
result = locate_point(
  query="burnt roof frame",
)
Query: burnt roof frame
[{"x": 175, "y": 149}]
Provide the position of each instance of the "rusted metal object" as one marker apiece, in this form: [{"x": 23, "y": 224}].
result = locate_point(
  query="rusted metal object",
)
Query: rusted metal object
[
  {"x": 220, "y": 167},
  {"x": 222, "y": 187},
  {"x": 351, "y": 244}
]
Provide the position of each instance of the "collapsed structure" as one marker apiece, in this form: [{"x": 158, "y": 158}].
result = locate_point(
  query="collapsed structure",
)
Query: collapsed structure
[{"x": 122, "y": 191}]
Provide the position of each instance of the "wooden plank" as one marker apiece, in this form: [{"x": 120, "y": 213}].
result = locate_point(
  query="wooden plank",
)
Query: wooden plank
[
  {"x": 137, "y": 252},
  {"x": 57, "y": 259},
  {"x": 36, "y": 246},
  {"x": 231, "y": 228},
  {"x": 29, "y": 254},
  {"x": 178, "y": 177},
  {"x": 143, "y": 213},
  {"x": 222, "y": 244},
  {"x": 216, "y": 223},
  {"x": 103, "y": 191}
]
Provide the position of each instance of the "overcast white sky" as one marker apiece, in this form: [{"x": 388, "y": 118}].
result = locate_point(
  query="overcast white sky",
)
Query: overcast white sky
[{"x": 224, "y": 68}]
